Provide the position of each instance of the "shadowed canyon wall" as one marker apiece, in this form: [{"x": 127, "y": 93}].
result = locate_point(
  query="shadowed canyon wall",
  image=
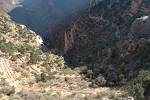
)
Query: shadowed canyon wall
[{"x": 49, "y": 18}]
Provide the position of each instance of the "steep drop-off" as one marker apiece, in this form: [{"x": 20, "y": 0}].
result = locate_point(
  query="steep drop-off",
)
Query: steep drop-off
[{"x": 49, "y": 17}]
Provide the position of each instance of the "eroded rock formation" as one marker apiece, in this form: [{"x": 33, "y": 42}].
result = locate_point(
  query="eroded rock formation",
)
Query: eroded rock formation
[{"x": 140, "y": 34}]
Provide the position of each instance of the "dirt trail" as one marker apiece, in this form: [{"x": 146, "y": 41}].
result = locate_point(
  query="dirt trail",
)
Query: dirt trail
[
  {"x": 8, "y": 72},
  {"x": 63, "y": 76},
  {"x": 117, "y": 32},
  {"x": 98, "y": 19},
  {"x": 84, "y": 91},
  {"x": 105, "y": 59},
  {"x": 29, "y": 65}
]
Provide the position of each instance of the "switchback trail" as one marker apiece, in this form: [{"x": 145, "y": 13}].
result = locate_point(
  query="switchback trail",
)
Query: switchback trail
[
  {"x": 117, "y": 31},
  {"x": 105, "y": 59}
]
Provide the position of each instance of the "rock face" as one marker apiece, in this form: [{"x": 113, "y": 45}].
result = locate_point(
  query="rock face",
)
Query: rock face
[
  {"x": 139, "y": 6},
  {"x": 140, "y": 34},
  {"x": 135, "y": 7},
  {"x": 141, "y": 28},
  {"x": 39, "y": 41}
]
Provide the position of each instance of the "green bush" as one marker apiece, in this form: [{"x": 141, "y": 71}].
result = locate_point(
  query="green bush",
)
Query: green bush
[
  {"x": 99, "y": 81},
  {"x": 59, "y": 64},
  {"x": 4, "y": 40},
  {"x": 89, "y": 73},
  {"x": 14, "y": 57},
  {"x": 122, "y": 67},
  {"x": 50, "y": 75},
  {"x": 143, "y": 78},
  {"x": 136, "y": 91},
  {"x": 122, "y": 80},
  {"x": 34, "y": 57},
  {"x": 38, "y": 66},
  {"x": 22, "y": 50},
  {"x": 121, "y": 77},
  {"x": 44, "y": 64},
  {"x": 67, "y": 78},
  {"x": 43, "y": 77}
]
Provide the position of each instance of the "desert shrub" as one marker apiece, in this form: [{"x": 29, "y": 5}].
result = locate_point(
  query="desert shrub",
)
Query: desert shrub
[
  {"x": 49, "y": 52},
  {"x": 72, "y": 86},
  {"x": 41, "y": 84},
  {"x": 6, "y": 28},
  {"x": 4, "y": 40},
  {"x": 37, "y": 77},
  {"x": 27, "y": 95},
  {"x": 122, "y": 80},
  {"x": 39, "y": 51},
  {"x": 44, "y": 64},
  {"x": 59, "y": 64},
  {"x": 14, "y": 97},
  {"x": 143, "y": 78},
  {"x": 54, "y": 73},
  {"x": 122, "y": 67},
  {"x": 32, "y": 81},
  {"x": 83, "y": 69},
  {"x": 89, "y": 73},
  {"x": 47, "y": 57},
  {"x": 38, "y": 66},
  {"x": 22, "y": 50},
  {"x": 66, "y": 78},
  {"x": 4, "y": 83},
  {"x": 43, "y": 77},
  {"x": 67, "y": 71},
  {"x": 25, "y": 73},
  {"x": 34, "y": 57},
  {"x": 14, "y": 57},
  {"x": 108, "y": 94},
  {"x": 82, "y": 84},
  {"x": 28, "y": 47},
  {"x": 24, "y": 65},
  {"x": 136, "y": 91},
  {"x": 8, "y": 90},
  {"x": 99, "y": 81},
  {"x": 18, "y": 69}
]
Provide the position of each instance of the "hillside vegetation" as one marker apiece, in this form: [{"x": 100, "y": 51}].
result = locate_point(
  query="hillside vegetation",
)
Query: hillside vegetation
[
  {"x": 29, "y": 73},
  {"x": 112, "y": 39},
  {"x": 106, "y": 55}
]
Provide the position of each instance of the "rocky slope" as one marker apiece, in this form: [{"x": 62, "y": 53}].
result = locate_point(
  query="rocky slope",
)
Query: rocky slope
[
  {"x": 110, "y": 25},
  {"x": 28, "y": 73},
  {"x": 111, "y": 38}
]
